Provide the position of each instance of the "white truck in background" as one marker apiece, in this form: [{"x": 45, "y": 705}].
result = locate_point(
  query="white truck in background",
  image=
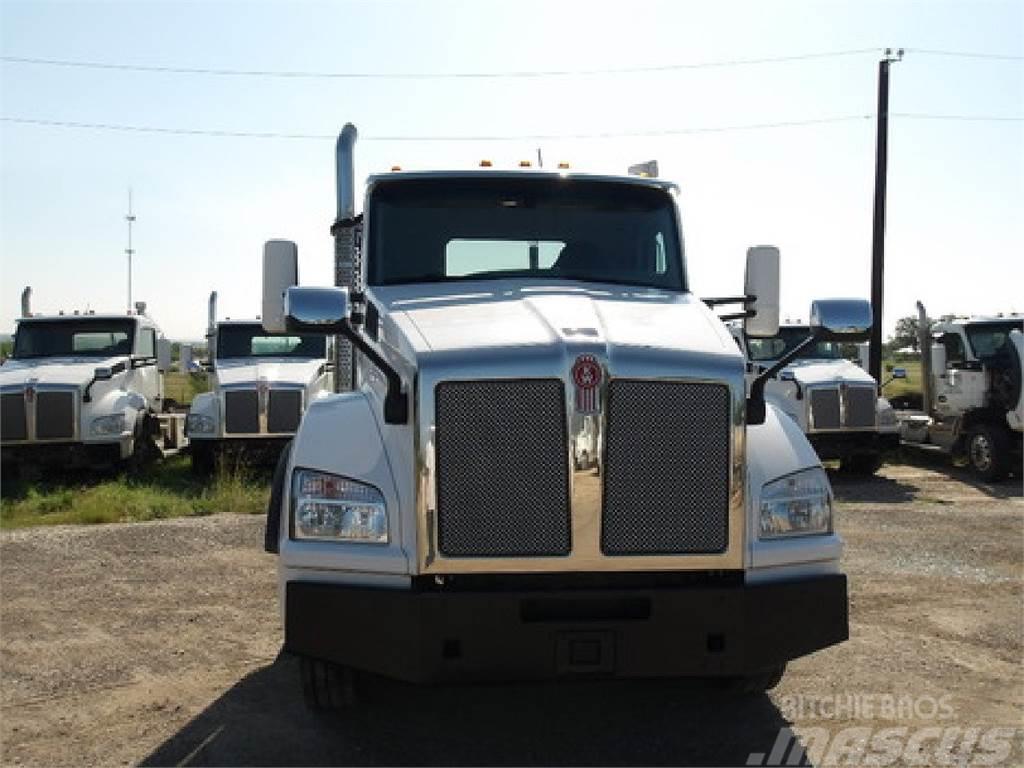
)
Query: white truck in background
[
  {"x": 84, "y": 390},
  {"x": 834, "y": 401},
  {"x": 436, "y": 520},
  {"x": 971, "y": 374},
  {"x": 260, "y": 385}
]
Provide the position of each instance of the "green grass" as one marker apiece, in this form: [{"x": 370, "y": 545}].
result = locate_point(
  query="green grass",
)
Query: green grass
[
  {"x": 167, "y": 489},
  {"x": 182, "y": 387},
  {"x": 901, "y": 386}
]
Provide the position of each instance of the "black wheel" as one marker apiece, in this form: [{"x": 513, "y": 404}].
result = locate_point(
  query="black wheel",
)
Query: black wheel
[
  {"x": 204, "y": 458},
  {"x": 327, "y": 686},
  {"x": 861, "y": 464},
  {"x": 755, "y": 684},
  {"x": 144, "y": 450},
  {"x": 988, "y": 452}
]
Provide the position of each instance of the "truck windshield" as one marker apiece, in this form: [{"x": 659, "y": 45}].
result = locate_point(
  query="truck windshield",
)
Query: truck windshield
[
  {"x": 253, "y": 341},
  {"x": 433, "y": 230},
  {"x": 76, "y": 337},
  {"x": 992, "y": 340},
  {"x": 774, "y": 347}
]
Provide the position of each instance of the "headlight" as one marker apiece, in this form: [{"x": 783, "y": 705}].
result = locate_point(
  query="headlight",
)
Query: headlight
[
  {"x": 796, "y": 505},
  {"x": 108, "y": 425},
  {"x": 197, "y": 424},
  {"x": 332, "y": 508}
]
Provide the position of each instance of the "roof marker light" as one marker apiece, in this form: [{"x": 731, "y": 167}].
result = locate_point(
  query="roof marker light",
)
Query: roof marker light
[
  {"x": 524, "y": 164},
  {"x": 395, "y": 168},
  {"x": 485, "y": 163},
  {"x": 563, "y": 166}
]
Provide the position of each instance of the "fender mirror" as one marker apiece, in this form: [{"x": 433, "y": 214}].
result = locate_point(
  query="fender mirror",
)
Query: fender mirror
[
  {"x": 163, "y": 355},
  {"x": 761, "y": 286},
  {"x": 280, "y": 272},
  {"x": 316, "y": 310},
  {"x": 938, "y": 360}
]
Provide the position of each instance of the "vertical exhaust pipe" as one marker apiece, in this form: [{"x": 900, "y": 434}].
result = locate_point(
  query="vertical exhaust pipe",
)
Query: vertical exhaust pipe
[
  {"x": 211, "y": 326},
  {"x": 924, "y": 339},
  {"x": 26, "y": 302},
  {"x": 344, "y": 231}
]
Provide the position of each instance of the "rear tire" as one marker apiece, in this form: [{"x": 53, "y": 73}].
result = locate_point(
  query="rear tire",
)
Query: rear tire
[
  {"x": 864, "y": 464},
  {"x": 988, "y": 452},
  {"x": 327, "y": 687},
  {"x": 756, "y": 684}
]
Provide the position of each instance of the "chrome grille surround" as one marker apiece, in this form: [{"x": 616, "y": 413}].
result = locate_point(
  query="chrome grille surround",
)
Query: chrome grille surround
[
  {"x": 846, "y": 406},
  {"x": 666, "y": 468},
  {"x": 502, "y": 470},
  {"x": 51, "y": 416},
  {"x": 249, "y": 411}
]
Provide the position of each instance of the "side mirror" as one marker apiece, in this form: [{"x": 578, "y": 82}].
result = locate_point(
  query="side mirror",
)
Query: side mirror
[
  {"x": 899, "y": 373},
  {"x": 938, "y": 360},
  {"x": 280, "y": 272},
  {"x": 185, "y": 358},
  {"x": 163, "y": 355},
  {"x": 316, "y": 310},
  {"x": 761, "y": 281},
  {"x": 103, "y": 373},
  {"x": 841, "y": 319}
]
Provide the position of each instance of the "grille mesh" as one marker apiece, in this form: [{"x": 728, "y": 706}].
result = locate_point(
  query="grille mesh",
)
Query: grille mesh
[
  {"x": 825, "y": 408},
  {"x": 241, "y": 412},
  {"x": 12, "y": 417},
  {"x": 666, "y": 471},
  {"x": 55, "y": 415},
  {"x": 860, "y": 407},
  {"x": 284, "y": 410},
  {"x": 502, "y": 468}
]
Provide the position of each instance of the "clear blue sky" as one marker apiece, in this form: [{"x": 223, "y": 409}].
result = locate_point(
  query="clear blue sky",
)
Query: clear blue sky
[{"x": 206, "y": 204}]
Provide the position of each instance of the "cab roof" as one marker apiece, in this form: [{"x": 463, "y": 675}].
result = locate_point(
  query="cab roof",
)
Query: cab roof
[{"x": 520, "y": 173}]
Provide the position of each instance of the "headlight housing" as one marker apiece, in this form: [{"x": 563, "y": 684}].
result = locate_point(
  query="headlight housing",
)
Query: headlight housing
[
  {"x": 198, "y": 424},
  {"x": 108, "y": 425},
  {"x": 328, "y": 507},
  {"x": 799, "y": 504}
]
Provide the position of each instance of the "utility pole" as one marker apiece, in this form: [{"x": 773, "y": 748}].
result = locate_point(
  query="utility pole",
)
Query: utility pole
[
  {"x": 130, "y": 218},
  {"x": 878, "y": 230}
]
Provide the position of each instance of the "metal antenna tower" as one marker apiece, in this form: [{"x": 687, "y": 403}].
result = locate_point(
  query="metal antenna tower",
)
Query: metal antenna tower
[{"x": 130, "y": 218}]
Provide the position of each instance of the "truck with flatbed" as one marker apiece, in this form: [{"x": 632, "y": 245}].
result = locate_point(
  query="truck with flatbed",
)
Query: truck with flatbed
[
  {"x": 973, "y": 404},
  {"x": 84, "y": 389},
  {"x": 833, "y": 400},
  {"x": 434, "y": 520},
  {"x": 260, "y": 385}
]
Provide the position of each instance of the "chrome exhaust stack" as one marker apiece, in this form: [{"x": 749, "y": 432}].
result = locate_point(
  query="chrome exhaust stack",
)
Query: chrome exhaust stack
[
  {"x": 26, "y": 302},
  {"x": 346, "y": 269},
  {"x": 924, "y": 339},
  {"x": 211, "y": 327}
]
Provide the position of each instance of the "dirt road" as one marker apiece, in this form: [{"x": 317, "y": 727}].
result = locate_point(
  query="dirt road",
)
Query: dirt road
[{"x": 157, "y": 643}]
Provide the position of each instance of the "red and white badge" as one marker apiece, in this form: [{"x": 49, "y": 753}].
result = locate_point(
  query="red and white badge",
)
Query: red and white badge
[{"x": 586, "y": 375}]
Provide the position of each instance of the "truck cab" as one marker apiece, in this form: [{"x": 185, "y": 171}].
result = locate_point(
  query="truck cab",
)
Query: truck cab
[
  {"x": 260, "y": 385},
  {"x": 437, "y": 520},
  {"x": 834, "y": 401},
  {"x": 82, "y": 389}
]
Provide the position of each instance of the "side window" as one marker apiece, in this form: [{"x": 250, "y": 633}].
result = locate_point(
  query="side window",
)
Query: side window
[
  {"x": 954, "y": 348},
  {"x": 147, "y": 343}
]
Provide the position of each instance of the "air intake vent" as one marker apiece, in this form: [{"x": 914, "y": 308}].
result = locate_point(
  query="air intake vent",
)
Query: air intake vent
[{"x": 55, "y": 415}]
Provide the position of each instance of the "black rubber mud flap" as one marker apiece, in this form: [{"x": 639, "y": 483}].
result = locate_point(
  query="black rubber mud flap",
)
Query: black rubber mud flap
[{"x": 273, "y": 531}]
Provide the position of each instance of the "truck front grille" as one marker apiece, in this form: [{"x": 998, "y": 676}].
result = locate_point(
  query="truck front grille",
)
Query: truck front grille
[
  {"x": 502, "y": 468},
  {"x": 666, "y": 468},
  {"x": 825, "y": 408},
  {"x": 860, "y": 407},
  {"x": 13, "y": 424},
  {"x": 241, "y": 412},
  {"x": 284, "y": 410},
  {"x": 55, "y": 415}
]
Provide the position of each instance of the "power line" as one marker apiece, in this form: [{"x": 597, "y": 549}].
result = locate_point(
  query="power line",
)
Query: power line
[
  {"x": 966, "y": 54},
  {"x": 400, "y": 138},
  {"x": 975, "y": 118},
  {"x": 152, "y": 68}
]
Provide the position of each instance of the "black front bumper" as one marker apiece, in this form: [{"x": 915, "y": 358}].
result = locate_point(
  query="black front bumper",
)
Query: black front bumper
[
  {"x": 674, "y": 631},
  {"x": 841, "y": 445},
  {"x": 69, "y": 455}
]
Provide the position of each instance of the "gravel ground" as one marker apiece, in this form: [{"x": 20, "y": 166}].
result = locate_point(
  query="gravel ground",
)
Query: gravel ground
[{"x": 158, "y": 643}]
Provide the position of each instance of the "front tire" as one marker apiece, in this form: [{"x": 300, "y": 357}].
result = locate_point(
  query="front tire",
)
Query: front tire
[
  {"x": 988, "y": 452},
  {"x": 864, "y": 464},
  {"x": 327, "y": 687},
  {"x": 204, "y": 458},
  {"x": 756, "y": 684}
]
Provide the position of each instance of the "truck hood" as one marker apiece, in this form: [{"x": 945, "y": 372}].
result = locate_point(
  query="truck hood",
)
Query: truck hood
[
  {"x": 810, "y": 372},
  {"x": 502, "y": 319},
  {"x": 276, "y": 370},
  {"x": 69, "y": 371}
]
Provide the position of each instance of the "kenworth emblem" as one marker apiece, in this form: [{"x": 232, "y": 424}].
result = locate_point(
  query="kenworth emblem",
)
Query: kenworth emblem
[{"x": 586, "y": 375}]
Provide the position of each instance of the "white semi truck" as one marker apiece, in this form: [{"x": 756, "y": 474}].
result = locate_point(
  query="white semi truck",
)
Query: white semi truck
[
  {"x": 971, "y": 373},
  {"x": 83, "y": 389},
  {"x": 435, "y": 521},
  {"x": 835, "y": 401},
  {"x": 260, "y": 385}
]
